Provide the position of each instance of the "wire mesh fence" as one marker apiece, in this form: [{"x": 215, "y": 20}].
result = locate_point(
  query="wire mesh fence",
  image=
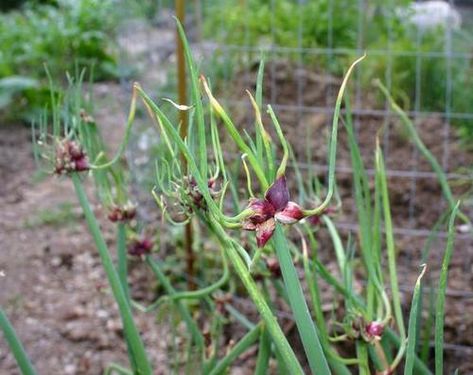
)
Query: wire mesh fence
[{"x": 322, "y": 59}]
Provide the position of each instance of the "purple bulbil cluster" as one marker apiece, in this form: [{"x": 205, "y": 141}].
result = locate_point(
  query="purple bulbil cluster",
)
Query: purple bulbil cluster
[
  {"x": 140, "y": 247},
  {"x": 123, "y": 213},
  {"x": 70, "y": 157}
]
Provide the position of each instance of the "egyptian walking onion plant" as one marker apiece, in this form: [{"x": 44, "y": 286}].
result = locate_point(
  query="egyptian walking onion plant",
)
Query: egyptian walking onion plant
[{"x": 370, "y": 321}]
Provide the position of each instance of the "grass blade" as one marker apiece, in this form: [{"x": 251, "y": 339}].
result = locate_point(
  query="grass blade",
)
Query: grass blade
[
  {"x": 196, "y": 101},
  {"x": 242, "y": 345},
  {"x": 412, "y": 331},
  {"x": 15, "y": 345},
  {"x": 305, "y": 325},
  {"x": 259, "y": 103},
  {"x": 440, "y": 304},
  {"x": 264, "y": 352},
  {"x": 122, "y": 258},
  {"x": 381, "y": 172},
  {"x": 332, "y": 151}
]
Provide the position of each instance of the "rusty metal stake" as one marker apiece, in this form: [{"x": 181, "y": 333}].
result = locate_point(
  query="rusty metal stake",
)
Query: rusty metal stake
[{"x": 182, "y": 97}]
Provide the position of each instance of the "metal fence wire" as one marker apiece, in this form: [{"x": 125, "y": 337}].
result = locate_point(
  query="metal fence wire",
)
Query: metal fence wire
[{"x": 233, "y": 37}]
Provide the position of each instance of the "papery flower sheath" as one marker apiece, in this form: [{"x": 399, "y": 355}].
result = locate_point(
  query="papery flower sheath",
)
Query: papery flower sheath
[
  {"x": 291, "y": 214},
  {"x": 275, "y": 206}
]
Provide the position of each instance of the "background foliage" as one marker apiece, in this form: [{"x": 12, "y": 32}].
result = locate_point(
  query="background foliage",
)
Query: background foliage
[{"x": 65, "y": 36}]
